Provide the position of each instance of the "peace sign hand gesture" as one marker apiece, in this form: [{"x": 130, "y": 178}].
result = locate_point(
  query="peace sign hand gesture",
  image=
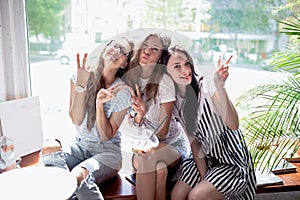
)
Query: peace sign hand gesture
[
  {"x": 105, "y": 95},
  {"x": 138, "y": 105},
  {"x": 83, "y": 72},
  {"x": 222, "y": 73}
]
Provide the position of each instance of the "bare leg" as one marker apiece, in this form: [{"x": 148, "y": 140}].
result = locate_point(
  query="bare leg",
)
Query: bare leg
[
  {"x": 86, "y": 187},
  {"x": 180, "y": 191},
  {"x": 161, "y": 180},
  {"x": 80, "y": 173},
  {"x": 206, "y": 191},
  {"x": 145, "y": 185},
  {"x": 145, "y": 177},
  {"x": 146, "y": 165},
  {"x": 54, "y": 145},
  {"x": 51, "y": 146}
]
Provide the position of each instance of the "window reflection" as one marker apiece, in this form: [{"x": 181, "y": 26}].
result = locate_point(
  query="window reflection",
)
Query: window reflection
[{"x": 246, "y": 29}]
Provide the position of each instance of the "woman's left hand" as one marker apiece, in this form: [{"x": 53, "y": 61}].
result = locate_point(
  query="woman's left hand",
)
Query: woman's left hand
[
  {"x": 105, "y": 95},
  {"x": 222, "y": 73}
]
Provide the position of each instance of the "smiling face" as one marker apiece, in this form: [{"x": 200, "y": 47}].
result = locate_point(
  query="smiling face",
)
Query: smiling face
[
  {"x": 151, "y": 51},
  {"x": 116, "y": 52},
  {"x": 179, "y": 68}
]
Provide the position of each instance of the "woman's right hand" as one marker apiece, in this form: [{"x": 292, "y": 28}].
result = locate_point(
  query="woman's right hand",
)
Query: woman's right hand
[
  {"x": 138, "y": 105},
  {"x": 221, "y": 74},
  {"x": 83, "y": 72}
]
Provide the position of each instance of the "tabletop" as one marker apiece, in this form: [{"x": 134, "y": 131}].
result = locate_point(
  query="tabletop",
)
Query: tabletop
[{"x": 37, "y": 182}]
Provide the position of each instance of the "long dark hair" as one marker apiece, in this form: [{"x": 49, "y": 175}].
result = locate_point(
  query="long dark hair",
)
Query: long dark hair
[
  {"x": 96, "y": 82},
  {"x": 190, "y": 107},
  {"x": 133, "y": 74}
]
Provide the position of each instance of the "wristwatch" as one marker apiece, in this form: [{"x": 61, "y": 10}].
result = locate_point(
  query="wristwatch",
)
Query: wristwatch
[{"x": 80, "y": 89}]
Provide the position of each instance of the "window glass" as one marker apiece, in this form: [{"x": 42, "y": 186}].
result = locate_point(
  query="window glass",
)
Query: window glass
[{"x": 60, "y": 29}]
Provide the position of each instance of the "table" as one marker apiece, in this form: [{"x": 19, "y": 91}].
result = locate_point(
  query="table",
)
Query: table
[{"x": 36, "y": 183}]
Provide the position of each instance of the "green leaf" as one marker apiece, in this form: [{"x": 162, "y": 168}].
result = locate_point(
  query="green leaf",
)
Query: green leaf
[{"x": 271, "y": 126}]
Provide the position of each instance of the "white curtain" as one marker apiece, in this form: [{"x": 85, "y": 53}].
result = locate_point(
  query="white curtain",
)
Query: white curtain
[{"x": 14, "y": 65}]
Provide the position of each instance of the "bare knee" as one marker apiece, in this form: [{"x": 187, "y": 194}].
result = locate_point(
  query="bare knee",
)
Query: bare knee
[
  {"x": 180, "y": 191},
  {"x": 80, "y": 174},
  {"x": 144, "y": 163},
  {"x": 198, "y": 195},
  {"x": 161, "y": 171},
  {"x": 193, "y": 195},
  {"x": 51, "y": 146},
  {"x": 177, "y": 195},
  {"x": 205, "y": 190}
]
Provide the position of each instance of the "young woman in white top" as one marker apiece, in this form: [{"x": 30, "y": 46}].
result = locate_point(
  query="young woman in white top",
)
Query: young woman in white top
[{"x": 153, "y": 102}]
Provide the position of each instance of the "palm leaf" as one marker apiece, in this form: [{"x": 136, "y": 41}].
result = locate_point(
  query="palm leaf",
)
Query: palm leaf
[
  {"x": 271, "y": 127},
  {"x": 291, "y": 28},
  {"x": 273, "y": 117}
]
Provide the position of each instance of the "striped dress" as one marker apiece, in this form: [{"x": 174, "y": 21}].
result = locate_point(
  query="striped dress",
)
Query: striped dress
[{"x": 229, "y": 163}]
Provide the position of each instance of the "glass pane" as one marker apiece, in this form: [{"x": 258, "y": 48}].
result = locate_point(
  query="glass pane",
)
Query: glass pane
[{"x": 60, "y": 29}]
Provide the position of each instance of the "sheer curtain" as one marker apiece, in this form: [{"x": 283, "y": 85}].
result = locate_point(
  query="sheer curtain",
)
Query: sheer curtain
[{"x": 14, "y": 65}]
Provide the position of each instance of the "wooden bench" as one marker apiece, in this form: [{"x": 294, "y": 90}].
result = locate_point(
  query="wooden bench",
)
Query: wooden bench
[{"x": 118, "y": 188}]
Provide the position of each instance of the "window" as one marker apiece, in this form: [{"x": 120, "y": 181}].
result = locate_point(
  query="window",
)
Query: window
[{"x": 88, "y": 23}]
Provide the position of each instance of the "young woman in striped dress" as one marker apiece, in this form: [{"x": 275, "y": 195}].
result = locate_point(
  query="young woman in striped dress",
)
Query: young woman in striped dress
[{"x": 221, "y": 166}]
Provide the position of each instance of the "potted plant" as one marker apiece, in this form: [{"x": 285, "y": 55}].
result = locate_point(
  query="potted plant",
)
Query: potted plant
[{"x": 271, "y": 126}]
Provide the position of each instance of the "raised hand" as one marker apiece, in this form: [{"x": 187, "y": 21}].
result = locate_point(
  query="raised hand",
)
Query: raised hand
[
  {"x": 83, "y": 72},
  {"x": 107, "y": 94},
  {"x": 138, "y": 105},
  {"x": 222, "y": 73}
]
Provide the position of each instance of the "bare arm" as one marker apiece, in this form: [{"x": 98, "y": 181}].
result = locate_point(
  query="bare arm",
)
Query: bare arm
[
  {"x": 165, "y": 110},
  {"x": 199, "y": 157},
  {"x": 108, "y": 127},
  {"x": 77, "y": 100},
  {"x": 220, "y": 98},
  {"x": 139, "y": 107},
  {"x": 77, "y": 105},
  {"x": 226, "y": 108}
]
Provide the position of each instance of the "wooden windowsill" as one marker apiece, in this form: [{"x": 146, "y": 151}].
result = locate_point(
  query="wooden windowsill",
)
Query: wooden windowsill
[
  {"x": 119, "y": 188},
  {"x": 291, "y": 182}
]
